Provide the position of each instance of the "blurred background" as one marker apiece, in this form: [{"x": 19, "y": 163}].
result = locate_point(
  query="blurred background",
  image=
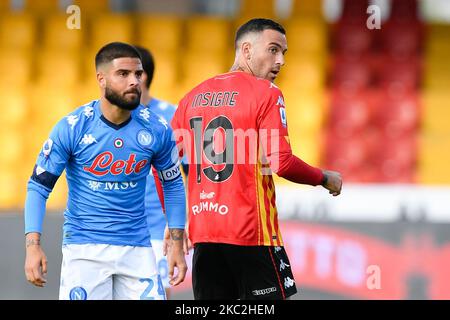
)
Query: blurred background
[{"x": 367, "y": 89}]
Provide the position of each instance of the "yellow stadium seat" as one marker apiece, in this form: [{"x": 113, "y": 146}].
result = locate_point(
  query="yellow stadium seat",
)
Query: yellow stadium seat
[
  {"x": 166, "y": 69},
  {"x": 48, "y": 109},
  {"x": 305, "y": 111},
  {"x": 11, "y": 146},
  {"x": 58, "y": 69},
  {"x": 17, "y": 31},
  {"x": 306, "y": 146},
  {"x": 96, "y": 6},
  {"x": 197, "y": 69},
  {"x": 257, "y": 8},
  {"x": 42, "y": 6},
  {"x": 11, "y": 189},
  {"x": 21, "y": 75},
  {"x": 5, "y": 5},
  {"x": 56, "y": 35},
  {"x": 87, "y": 91},
  {"x": 88, "y": 63},
  {"x": 434, "y": 157},
  {"x": 436, "y": 113},
  {"x": 106, "y": 28},
  {"x": 302, "y": 73},
  {"x": 306, "y": 36},
  {"x": 14, "y": 106},
  {"x": 307, "y": 8},
  {"x": 209, "y": 34},
  {"x": 159, "y": 32}
]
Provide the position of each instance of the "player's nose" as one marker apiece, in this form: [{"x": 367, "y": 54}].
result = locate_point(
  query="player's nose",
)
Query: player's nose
[{"x": 280, "y": 60}]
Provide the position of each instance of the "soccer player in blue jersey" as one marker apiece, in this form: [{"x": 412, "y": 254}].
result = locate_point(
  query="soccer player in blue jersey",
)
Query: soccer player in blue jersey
[
  {"x": 107, "y": 148},
  {"x": 156, "y": 221}
]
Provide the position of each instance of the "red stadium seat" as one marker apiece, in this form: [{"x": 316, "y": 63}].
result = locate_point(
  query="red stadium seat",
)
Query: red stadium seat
[
  {"x": 347, "y": 156},
  {"x": 354, "y": 10},
  {"x": 404, "y": 10},
  {"x": 401, "y": 39},
  {"x": 397, "y": 159},
  {"x": 398, "y": 115},
  {"x": 351, "y": 38},
  {"x": 356, "y": 73},
  {"x": 399, "y": 72},
  {"x": 349, "y": 114}
]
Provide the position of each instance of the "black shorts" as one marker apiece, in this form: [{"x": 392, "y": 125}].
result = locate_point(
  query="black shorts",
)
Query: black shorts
[{"x": 225, "y": 271}]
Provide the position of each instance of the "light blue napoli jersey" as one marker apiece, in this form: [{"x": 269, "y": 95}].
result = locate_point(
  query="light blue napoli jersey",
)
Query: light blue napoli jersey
[
  {"x": 156, "y": 220},
  {"x": 107, "y": 168}
]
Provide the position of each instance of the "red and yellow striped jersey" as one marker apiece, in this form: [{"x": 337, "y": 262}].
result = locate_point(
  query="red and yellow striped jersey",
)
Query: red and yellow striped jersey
[{"x": 232, "y": 129}]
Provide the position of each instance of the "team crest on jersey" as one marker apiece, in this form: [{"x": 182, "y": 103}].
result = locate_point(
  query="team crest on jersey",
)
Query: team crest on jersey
[
  {"x": 144, "y": 138},
  {"x": 118, "y": 143}
]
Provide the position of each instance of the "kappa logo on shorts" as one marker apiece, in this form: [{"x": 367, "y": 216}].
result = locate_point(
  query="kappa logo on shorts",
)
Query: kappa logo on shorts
[
  {"x": 78, "y": 293},
  {"x": 288, "y": 282},
  {"x": 283, "y": 265},
  {"x": 262, "y": 292}
]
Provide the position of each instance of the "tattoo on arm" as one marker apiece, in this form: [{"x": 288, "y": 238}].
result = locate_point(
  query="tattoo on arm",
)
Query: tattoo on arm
[
  {"x": 32, "y": 242},
  {"x": 176, "y": 234}
]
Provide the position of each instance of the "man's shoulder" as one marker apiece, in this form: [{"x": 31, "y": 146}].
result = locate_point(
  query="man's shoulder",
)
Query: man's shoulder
[
  {"x": 149, "y": 119},
  {"x": 81, "y": 114}
]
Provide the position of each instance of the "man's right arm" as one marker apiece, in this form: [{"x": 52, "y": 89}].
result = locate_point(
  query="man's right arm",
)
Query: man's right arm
[{"x": 50, "y": 163}]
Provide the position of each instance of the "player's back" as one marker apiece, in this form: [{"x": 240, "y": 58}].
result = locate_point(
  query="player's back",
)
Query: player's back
[{"x": 230, "y": 200}]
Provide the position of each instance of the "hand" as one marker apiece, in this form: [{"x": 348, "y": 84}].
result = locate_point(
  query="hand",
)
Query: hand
[
  {"x": 167, "y": 242},
  {"x": 333, "y": 182},
  {"x": 36, "y": 265},
  {"x": 176, "y": 257}
]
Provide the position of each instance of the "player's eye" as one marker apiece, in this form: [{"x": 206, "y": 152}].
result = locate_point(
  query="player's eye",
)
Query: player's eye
[
  {"x": 139, "y": 74},
  {"x": 123, "y": 73},
  {"x": 273, "y": 50}
]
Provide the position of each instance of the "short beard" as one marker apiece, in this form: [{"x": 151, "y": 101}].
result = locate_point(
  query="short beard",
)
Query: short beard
[{"x": 118, "y": 100}]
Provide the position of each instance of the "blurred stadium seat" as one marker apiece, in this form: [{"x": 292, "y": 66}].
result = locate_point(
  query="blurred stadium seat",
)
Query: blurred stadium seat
[
  {"x": 24, "y": 35},
  {"x": 215, "y": 30},
  {"x": 42, "y": 6},
  {"x": 168, "y": 36},
  {"x": 306, "y": 9},
  {"x": 89, "y": 6},
  {"x": 57, "y": 68},
  {"x": 56, "y": 35},
  {"x": 106, "y": 28},
  {"x": 256, "y": 8},
  {"x": 21, "y": 74}
]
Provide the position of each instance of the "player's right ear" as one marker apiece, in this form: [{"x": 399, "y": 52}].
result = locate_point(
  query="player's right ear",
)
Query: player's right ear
[{"x": 101, "y": 79}]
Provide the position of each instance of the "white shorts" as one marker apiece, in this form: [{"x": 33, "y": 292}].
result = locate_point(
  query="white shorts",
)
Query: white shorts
[
  {"x": 161, "y": 262},
  {"x": 106, "y": 272}
]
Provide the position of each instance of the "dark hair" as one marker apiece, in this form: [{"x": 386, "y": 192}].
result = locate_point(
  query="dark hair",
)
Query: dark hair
[
  {"x": 113, "y": 51},
  {"x": 147, "y": 63},
  {"x": 257, "y": 25}
]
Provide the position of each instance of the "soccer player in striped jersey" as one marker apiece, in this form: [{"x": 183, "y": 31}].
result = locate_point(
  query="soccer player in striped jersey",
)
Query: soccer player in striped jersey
[{"x": 234, "y": 131}]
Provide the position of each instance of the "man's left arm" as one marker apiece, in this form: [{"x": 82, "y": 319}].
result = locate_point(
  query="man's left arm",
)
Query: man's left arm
[{"x": 166, "y": 163}]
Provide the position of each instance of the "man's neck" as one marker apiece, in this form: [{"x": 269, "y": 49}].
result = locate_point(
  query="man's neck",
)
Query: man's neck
[
  {"x": 145, "y": 98},
  {"x": 113, "y": 113}
]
